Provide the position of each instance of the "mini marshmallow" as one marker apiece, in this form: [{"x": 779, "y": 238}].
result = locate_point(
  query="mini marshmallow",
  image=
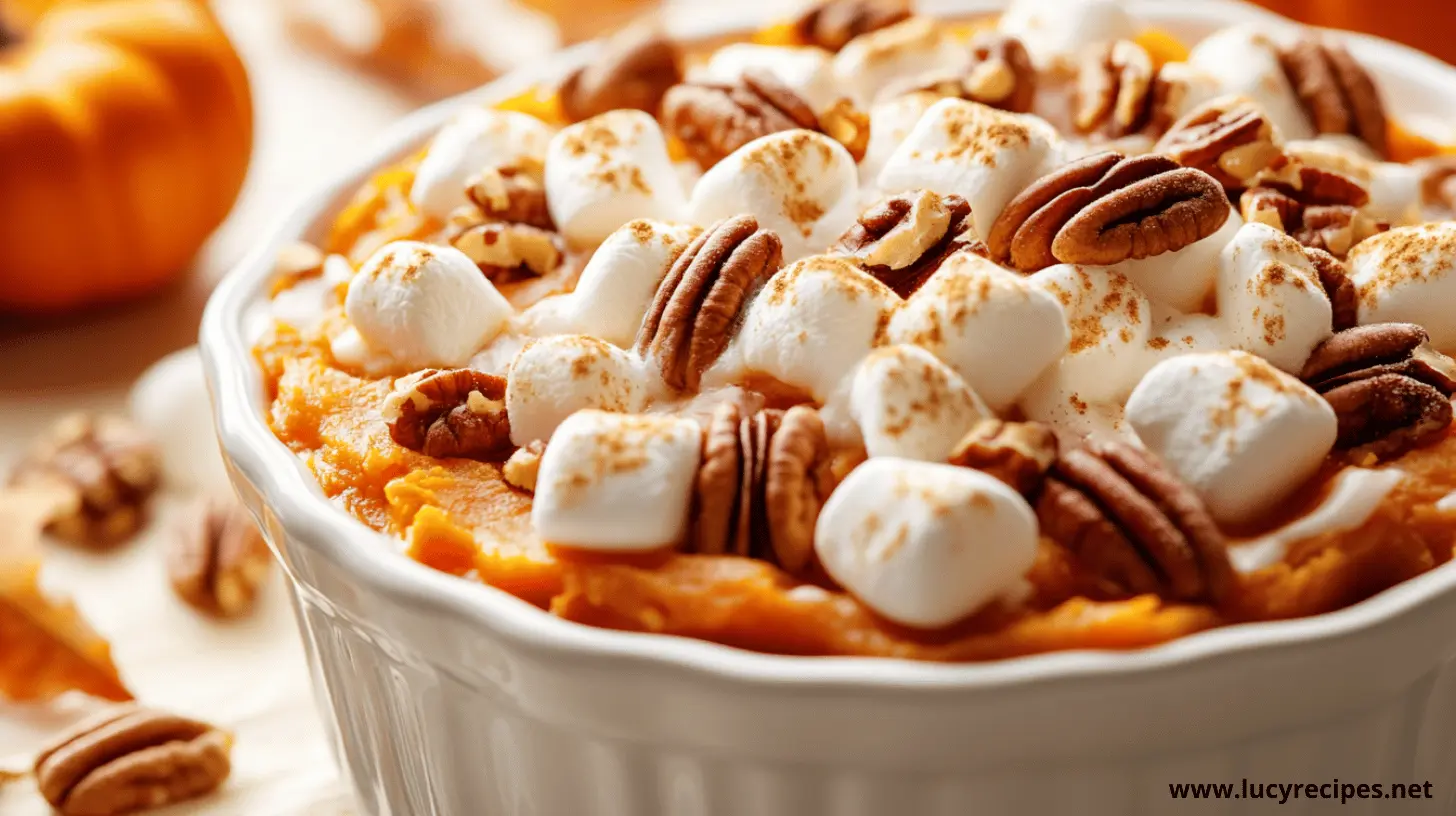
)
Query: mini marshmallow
[
  {"x": 1054, "y": 400},
  {"x": 909, "y": 404},
  {"x": 608, "y": 170},
  {"x": 1245, "y": 60},
  {"x": 872, "y": 62},
  {"x": 1110, "y": 321},
  {"x": 476, "y": 139},
  {"x": 1241, "y": 433},
  {"x": 1055, "y": 32},
  {"x": 1270, "y": 299},
  {"x": 554, "y": 377},
  {"x": 800, "y": 184},
  {"x": 621, "y": 482},
  {"x": 996, "y": 328},
  {"x": 985, "y": 155},
  {"x": 1175, "y": 334},
  {"x": 1183, "y": 280},
  {"x": 423, "y": 305},
  {"x": 1409, "y": 275},
  {"x": 923, "y": 544},
  {"x": 810, "y": 325},
  {"x": 1395, "y": 189},
  {"x": 807, "y": 70},
  {"x": 1353, "y": 499},
  {"x": 891, "y": 120},
  {"x": 617, "y": 285}
]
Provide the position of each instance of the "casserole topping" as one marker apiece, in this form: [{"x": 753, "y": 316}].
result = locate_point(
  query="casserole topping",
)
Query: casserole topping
[{"x": 887, "y": 336}]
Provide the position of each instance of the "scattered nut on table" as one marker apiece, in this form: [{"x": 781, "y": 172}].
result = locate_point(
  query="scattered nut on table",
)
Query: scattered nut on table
[{"x": 217, "y": 558}]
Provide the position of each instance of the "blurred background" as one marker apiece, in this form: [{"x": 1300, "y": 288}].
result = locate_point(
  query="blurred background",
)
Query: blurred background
[{"x": 126, "y": 192}]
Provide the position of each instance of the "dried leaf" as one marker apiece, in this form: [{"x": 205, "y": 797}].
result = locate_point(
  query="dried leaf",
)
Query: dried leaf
[{"x": 46, "y": 648}]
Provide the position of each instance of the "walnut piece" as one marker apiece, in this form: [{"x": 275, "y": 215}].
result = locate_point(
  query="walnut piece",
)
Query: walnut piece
[
  {"x": 1105, "y": 209},
  {"x": 1317, "y": 207},
  {"x": 831, "y": 24},
  {"x": 634, "y": 69},
  {"x": 698, "y": 302},
  {"x": 1228, "y": 138},
  {"x": 1390, "y": 390},
  {"x": 712, "y": 120},
  {"x": 1337, "y": 93},
  {"x": 763, "y": 479},
  {"x": 108, "y": 469},
  {"x": 130, "y": 759},
  {"x": 1134, "y": 524},
  {"x": 902, "y": 240},
  {"x": 521, "y": 469},
  {"x": 217, "y": 558},
  {"x": 1017, "y": 453},
  {"x": 454, "y": 413}
]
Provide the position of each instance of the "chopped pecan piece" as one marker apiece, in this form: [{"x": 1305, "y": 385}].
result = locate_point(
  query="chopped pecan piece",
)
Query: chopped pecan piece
[
  {"x": 763, "y": 479},
  {"x": 108, "y": 469},
  {"x": 218, "y": 558},
  {"x": 514, "y": 194},
  {"x": 507, "y": 252},
  {"x": 698, "y": 302},
  {"x": 1104, "y": 209},
  {"x": 130, "y": 759},
  {"x": 521, "y": 469},
  {"x": 455, "y": 413},
  {"x": 1228, "y": 138},
  {"x": 1000, "y": 75},
  {"x": 634, "y": 69},
  {"x": 1390, "y": 390},
  {"x": 831, "y": 24},
  {"x": 1134, "y": 524},
  {"x": 1017, "y": 453},
  {"x": 902, "y": 240},
  {"x": 1438, "y": 182},
  {"x": 1317, "y": 207},
  {"x": 1337, "y": 93},
  {"x": 712, "y": 120}
]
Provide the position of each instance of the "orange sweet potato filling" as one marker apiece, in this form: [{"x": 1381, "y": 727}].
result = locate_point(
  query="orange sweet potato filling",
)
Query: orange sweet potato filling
[{"x": 461, "y": 517}]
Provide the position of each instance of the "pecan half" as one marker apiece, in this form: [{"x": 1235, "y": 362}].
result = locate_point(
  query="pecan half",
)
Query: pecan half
[
  {"x": 455, "y": 413},
  {"x": 1134, "y": 524},
  {"x": 1337, "y": 93},
  {"x": 1318, "y": 208},
  {"x": 1001, "y": 75},
  {"x": 107, "y": 467},
  {"x": 634, "y": 69},
  {"x": 1104, "y": 209},
  {"x": 217, "y": 558},
  {"x": 902, "y": 240},
  {"x": 831, "y": 24},
  {"x": 763, "y": 479},
  {"x": 697, "y": 304},
  {"x": 1390, "y": 390},
  {"x": 1018, "y": 453},
  {"x": 712, "y": 120},
  {"x": 1228, "y": 138},
  {"x": 1115, "y": 90},
  {"x": 1335, "y": 280},
  {"x": 514, "y": 194},
  {"x": 130, "y": 759}
]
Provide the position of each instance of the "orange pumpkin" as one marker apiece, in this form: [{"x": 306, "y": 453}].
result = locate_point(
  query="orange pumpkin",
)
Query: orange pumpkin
[{"x": 125, "y": 132}]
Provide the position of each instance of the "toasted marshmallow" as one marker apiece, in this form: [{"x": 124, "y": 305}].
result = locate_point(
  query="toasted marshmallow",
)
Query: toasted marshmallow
[
  {"x": 1245, "y": 60},
  {"x": 996, "y": 328},
  {"x": 1183, "y": 280},
  {"x": 1353, "y": 499},
  {"x": 1241, "y": 433},
  {"x": 1409, "y": 275},
  {"x": 798, "y": 183},
  {"x": 1111, "y": 322},
  {"x": 1270, "y": 299},
  {"x": 1395, "y": 189},
  {"x": 810, "y": 325},
  {"x": 985, "y": 155},
  {"x": 909, "y": 404},
  {"x": 872, "y": 62},
  {"x": 619, "y": 482},
  {"x": 891, "y": 120},
  {"x": 925, "y": 544},
  {"x": 807, "y": 70},
  {"x": 476, "y": 139},
  {"x": 618, "y": 284},
  {"x": 608, "y": 170},
  {"x": 424, "y": 305},
  {"x": 554, "y": 377},
  {"x": 1055, "y": 32}
]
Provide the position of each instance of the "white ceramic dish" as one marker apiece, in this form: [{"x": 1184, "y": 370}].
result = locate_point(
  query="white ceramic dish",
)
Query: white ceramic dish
[{"x": 446, "y": 698}]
